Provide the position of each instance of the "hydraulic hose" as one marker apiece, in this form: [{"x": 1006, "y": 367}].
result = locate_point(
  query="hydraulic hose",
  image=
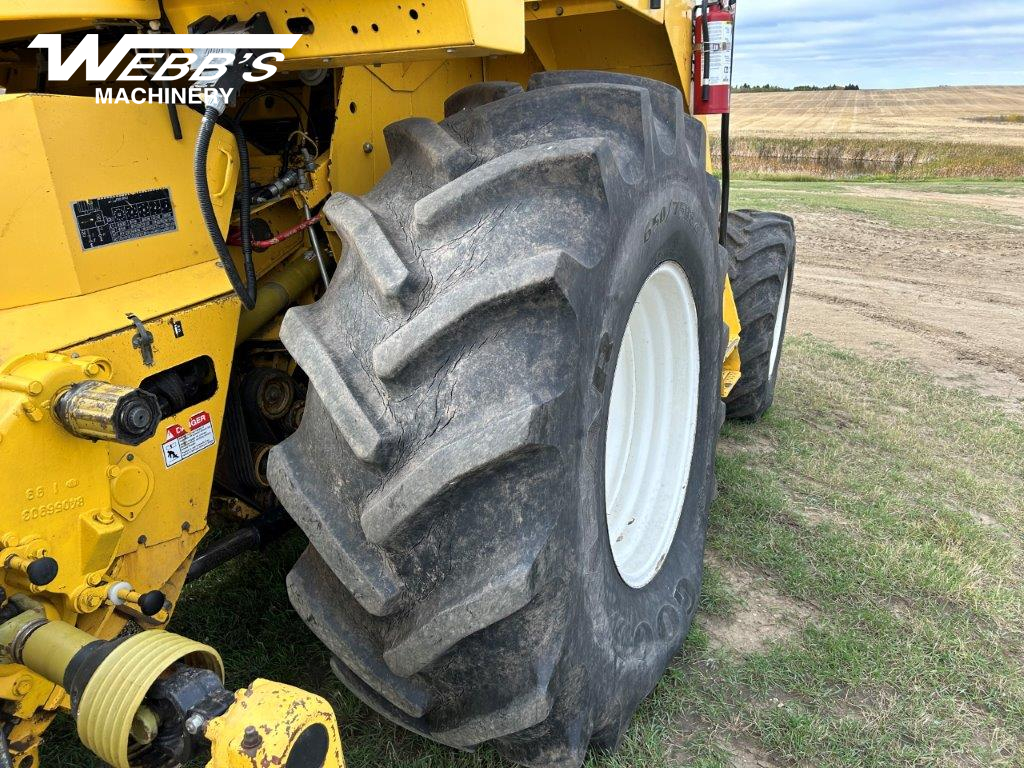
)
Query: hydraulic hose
[
  {"x": 253, "y": 536},
  {"x": 706, "y": 55},
  {"x": 245, "y": 208},
  {"x": 723, "y": 226},
  {"x": 246, "y": 289}
]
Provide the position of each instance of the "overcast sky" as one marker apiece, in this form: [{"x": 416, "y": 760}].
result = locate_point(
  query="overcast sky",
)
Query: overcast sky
[{"x": 880, "y": 43}]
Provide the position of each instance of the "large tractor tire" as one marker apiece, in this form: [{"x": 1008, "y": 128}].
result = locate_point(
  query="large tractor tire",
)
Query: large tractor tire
[
  {"x": 472, "y": 431},
  {"x": 762, "y": 256}
]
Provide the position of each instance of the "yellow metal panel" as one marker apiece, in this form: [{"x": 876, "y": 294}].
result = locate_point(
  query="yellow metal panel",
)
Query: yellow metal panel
[
  {"x": 33, "y": 10},
  {"x": 347, "y": 32},
  {"x": 180, "y": 493},
  {"x": 21, "y": 19},
  {"x": 63, "y": 149},
  {"x": 546, "y": 9},
  {"x": 679, "y": 28},
  {"x": 87, "y": 502},
  {"x": 614, "y": 39},
  {"x": 374, "y": 97},
  {"x": 643, "y": 7},
  {"x": 29, "y": 210},
  {"x": 45, "y": 327},
  {"x": 280, "y": 713},
  {"x": 731, "y": 369}
]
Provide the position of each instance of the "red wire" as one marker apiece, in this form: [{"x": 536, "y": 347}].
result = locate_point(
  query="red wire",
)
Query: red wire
[{"x": 235, "y": 236}]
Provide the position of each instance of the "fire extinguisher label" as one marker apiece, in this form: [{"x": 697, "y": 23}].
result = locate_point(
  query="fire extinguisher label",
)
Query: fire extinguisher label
[{"x": 720, "y": 54}]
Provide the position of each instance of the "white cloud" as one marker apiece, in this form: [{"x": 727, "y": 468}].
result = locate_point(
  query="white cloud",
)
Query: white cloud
[{"x": 879, "y": 43}]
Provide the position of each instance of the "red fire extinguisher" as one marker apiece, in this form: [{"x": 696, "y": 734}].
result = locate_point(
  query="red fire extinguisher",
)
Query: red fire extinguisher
[
  {"x": 712, "y": 58},
  {"x": 713, "y": 37}
]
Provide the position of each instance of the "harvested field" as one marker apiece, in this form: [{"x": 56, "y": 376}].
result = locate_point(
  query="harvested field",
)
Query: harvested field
[
  {"x": 923, "y": 114},
  {"x": 908, "y": 134}
]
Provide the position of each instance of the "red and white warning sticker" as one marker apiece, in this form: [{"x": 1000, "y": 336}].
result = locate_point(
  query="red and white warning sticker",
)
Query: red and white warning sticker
[{"x": 180, "y": 443}]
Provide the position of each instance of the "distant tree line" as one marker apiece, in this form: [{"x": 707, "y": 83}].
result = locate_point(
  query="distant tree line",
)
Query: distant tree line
[{"x": 768, "y": 88}]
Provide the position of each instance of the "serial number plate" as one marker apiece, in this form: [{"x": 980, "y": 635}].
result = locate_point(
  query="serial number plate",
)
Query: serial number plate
[{"x": 119, "y": 218}]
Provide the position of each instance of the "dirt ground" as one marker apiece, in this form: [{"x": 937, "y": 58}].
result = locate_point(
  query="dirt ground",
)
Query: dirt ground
[{"x": 949, "y": 300}]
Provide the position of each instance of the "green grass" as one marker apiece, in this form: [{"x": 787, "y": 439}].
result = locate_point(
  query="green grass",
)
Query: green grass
[
  {"x": 905, "y": 213},
  {"x": 889, "y": 508}
]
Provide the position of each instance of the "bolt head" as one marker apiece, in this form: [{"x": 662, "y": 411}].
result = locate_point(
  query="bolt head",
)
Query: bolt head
[
  {"x": 367, "y": 147},
  {"x": 251, "y": 739},
  {"x": 195, "y": 724}
]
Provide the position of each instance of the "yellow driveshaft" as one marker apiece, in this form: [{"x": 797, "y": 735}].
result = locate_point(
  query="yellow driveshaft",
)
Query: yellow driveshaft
[{"x": 157, "y": 695}]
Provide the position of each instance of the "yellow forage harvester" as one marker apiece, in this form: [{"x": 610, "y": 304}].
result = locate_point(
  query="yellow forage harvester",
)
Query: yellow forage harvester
[{"x": 448, "y": 286}]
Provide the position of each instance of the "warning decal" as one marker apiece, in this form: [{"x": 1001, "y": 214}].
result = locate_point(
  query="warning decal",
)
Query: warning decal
[
  {"x": 181, "y": 444},
  {"x": 115, "y": 219}
]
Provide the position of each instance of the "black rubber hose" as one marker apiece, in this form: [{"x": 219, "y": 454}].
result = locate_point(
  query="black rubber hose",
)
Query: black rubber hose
[
  {"x": 706, "y": 53},
  {"x": 245, "y": 206},
  {"x": 726, "y": 174},
  {"x": 246, "y": 289},
  {"x": 723, "y": 226},
  {"x": 253, "y": 536},
  {"x": 172, "y": 111}
]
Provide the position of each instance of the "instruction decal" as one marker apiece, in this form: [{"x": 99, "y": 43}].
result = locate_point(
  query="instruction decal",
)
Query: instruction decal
[
  {"x": 181, "y": 443},
  {"x": 119, "y": 218},
  {"x": 720, "y": 44}
]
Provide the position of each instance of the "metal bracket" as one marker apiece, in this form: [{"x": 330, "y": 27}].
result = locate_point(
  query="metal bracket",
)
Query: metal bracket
[{"x": 142, "y": 340}]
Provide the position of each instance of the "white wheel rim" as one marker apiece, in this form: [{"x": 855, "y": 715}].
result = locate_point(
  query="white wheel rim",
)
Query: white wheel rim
[
  {"x": 652, "y": 425},
  {"x": 780, "y": 317}
]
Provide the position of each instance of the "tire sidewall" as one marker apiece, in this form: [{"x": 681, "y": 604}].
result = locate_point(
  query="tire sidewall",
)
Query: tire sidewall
[{"x": 638, "y": 630}]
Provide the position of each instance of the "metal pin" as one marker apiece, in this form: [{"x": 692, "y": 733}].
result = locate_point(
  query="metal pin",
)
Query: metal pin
[{"x": 315, "y": 242}]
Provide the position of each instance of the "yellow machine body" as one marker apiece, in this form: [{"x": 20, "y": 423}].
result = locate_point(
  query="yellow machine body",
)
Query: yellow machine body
[
  {"x": 44, "y": 178},
  {"x": 122, "y": 311},
  {"x": 281, "y": 712}
]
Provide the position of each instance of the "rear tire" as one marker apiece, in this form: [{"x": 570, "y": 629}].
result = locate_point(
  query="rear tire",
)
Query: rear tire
[
  {"x": 449, "y": 470},
  {"x": 762, "y": 257}
]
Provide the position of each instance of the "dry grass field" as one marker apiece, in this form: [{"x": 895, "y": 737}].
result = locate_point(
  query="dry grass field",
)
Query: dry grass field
[
  {"x": 925, "y": 114},
  {"x": 902, "y": 134}
]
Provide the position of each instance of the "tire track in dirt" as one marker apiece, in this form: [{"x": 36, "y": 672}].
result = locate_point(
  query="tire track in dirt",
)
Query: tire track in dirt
[
  {"x": 990, "y": 358},
  {"x": 950, "y": 301}
]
